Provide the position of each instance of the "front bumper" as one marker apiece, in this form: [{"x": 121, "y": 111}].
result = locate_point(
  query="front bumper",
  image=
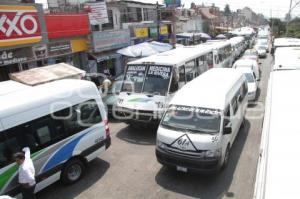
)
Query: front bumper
[
  {"x": 139, "y": 116},
  {"x": 196, "y": 165}
]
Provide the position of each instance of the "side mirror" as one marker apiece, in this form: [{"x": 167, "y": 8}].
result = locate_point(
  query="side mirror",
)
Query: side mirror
[{"x": 227, "y": 130}]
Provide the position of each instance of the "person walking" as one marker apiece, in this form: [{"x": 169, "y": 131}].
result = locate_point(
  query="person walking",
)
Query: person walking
[{"x": 26, "y": 173}]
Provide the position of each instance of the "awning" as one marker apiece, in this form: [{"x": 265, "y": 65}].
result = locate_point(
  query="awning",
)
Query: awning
[
  {"x": 99, "y": 57},
  {"x": 145, "y": 49},
  {"x": 46, "y": 74}
]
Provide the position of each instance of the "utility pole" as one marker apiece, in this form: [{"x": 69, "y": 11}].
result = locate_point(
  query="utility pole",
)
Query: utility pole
[
  {"x": 157, "y": 20},
  {"x": 289, "y": 18},
  {"x": 174, "y": 24}
]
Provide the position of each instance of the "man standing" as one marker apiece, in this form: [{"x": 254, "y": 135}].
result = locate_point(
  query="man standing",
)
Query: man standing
[{"x": 26, "y": 173}]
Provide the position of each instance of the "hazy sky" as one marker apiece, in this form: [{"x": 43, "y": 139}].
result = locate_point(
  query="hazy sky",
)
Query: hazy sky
[{"x": 279, "y": 7}]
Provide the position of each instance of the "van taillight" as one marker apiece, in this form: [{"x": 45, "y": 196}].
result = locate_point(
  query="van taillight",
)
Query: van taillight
[{"x": 106, "y": 128}]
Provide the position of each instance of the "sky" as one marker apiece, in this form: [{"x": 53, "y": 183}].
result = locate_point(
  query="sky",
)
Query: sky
[{"x": 276, "y": 8}]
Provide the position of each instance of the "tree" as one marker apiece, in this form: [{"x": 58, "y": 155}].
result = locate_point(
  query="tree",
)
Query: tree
[
  {"x": 227, "y": 10},
  {"x": 278, "y": 26}
]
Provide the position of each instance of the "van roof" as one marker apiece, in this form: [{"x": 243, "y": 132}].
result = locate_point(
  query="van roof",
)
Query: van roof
[
  {"x": 244, "y": 62},
  {"x": 10, "y": 86},
  {"x": 287, "y": 58},
  {"x": 280, "y": 138},
  {"x": 286, "y": 41},
  {"x": 25, "y": 99},
  {"x": 236, "y": 40},
  {"x": 175, "y": 57},
  {"x": 209, "y": 90},
  {"x": 245, "y": 69}
]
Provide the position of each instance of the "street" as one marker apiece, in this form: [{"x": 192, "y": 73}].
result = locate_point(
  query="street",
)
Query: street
[{"x": 128, "y": 169}]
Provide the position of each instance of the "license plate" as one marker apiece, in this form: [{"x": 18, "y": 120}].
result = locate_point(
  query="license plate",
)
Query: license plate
[{"x": 183, "y": 169}]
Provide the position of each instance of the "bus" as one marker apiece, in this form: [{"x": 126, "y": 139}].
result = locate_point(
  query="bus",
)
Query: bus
[
  {"x": 238, "y": 47},
  {"x": 63, "y": 123},
  {"x": 222, "y": 53},
  {"x": 277, "y": 170},
  {"x": 149, "y": 83}
]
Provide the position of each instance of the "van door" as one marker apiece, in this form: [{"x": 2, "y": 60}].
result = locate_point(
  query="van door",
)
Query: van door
[
  {"x": 226, "y": 138},
  {"x": 234, "y": 106}
]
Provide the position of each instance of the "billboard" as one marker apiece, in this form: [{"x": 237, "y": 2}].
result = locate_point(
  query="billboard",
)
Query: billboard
[
  {"x": 173, "y": 3},
  {"x": 97, "y": 12},
  {"x": 109, "y": 40},
  {"x": 20, "y": 25}
]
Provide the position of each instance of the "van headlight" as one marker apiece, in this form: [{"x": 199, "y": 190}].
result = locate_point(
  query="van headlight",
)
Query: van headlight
[
  {"x": 213, "y": 153},
  {"x": 160, "y": 144}
]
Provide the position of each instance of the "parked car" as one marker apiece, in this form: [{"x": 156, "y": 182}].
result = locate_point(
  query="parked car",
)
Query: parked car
[
  {"x": 264, "y": 43},
  {"x": 251, "y": 82},
  {"x": 248, "y": 63},
  {"x": 251, "y": 54},
  {"x": 261, "y": 50}
]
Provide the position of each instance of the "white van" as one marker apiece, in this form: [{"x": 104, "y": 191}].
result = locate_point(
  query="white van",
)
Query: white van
[
  {"x": 63, "y": 123},
  {"x": 249, "y": 63},
  {"x": 251, "y": 82},
  {"x": 202, "y": 121}
]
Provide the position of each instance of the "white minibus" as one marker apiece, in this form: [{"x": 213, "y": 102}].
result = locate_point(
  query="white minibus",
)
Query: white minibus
[
  {"x": 150, "y": 82},
  {"x": 222, "y": 53},
  {"x": 63, "y": 123},
  {"x": 238, "y": 46},
  {"x": 278, "y": 164},
  {"x": 202, "y": 122}
]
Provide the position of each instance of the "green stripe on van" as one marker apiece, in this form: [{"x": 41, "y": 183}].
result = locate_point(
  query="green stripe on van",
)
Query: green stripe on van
[{"x": 5, "y": 176}]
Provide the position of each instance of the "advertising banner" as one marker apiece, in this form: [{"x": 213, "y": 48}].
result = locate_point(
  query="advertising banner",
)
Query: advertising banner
[
  {"x": 172, "y": 3},
  {"x": 97, "y": 12},
  {"x": 15, "y": 56},
  {"x": 109, "y": 40},
  {"x": 141, "y": 32},
  {"x": 20, "y": 25}
]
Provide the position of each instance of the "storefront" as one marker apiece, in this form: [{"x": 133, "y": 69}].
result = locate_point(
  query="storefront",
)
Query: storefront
[
  {"x": 36, "y": 39},
  {"x": 103, "y": 57},
  {"x": 22, "y": 27}
]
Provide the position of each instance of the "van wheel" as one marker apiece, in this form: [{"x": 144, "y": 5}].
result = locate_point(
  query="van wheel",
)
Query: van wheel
[
  {"x": 226, "y": 158},
  {"x": 72, "y": 171}
]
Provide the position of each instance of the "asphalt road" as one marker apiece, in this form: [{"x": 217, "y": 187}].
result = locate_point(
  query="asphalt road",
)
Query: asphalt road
[{"x": 129, "y": 168}]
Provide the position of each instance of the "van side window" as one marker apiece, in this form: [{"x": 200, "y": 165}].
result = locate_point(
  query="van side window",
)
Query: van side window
[
  {"x": 243, "y": 92},
  {"x": 44, "y": 131},
  {"x": 8, "y": 147},
  {"x": 234, "y": 105},
  {"x": 174, "y": 81},
  {"x": 190, "y": 70},
  {"x": 227, "y": 116},
  {"x": 181, "y": 76}
]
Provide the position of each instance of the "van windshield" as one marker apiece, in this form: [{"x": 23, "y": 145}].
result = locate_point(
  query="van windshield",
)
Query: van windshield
[
  {"x": 149, "y": 79},
  {"x": 193, "y": 119}
]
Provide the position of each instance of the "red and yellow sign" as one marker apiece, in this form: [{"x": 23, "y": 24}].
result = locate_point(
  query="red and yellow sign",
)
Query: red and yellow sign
[
  {"x": 19, "y": 25},
  {"x": 141, "y": 32}
]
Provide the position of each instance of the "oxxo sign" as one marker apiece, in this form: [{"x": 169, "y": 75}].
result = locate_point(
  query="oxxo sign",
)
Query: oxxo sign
[{"x": 19, "y": 25}]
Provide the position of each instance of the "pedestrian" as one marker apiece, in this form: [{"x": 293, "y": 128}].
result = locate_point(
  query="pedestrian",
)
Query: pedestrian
[{"x": 26, "y": 173}]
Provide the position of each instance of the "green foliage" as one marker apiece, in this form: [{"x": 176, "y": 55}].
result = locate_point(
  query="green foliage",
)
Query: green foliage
[
  {"x": 293, "y": 29},
  {"x": 227, "y": 10},
  {"x": 278, "y": 27}
]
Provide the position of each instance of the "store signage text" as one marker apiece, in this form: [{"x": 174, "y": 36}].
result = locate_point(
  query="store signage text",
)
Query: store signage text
[{"x": 19, "y": 25}]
